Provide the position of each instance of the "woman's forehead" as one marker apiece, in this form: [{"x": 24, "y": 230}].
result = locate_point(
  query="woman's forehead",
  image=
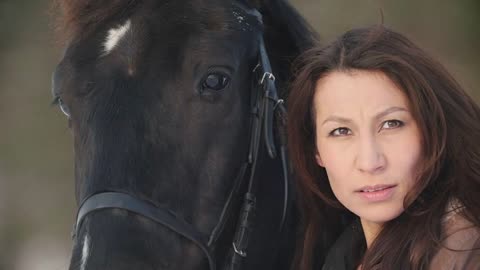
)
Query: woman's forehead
[{"x": 352, "y": 91}]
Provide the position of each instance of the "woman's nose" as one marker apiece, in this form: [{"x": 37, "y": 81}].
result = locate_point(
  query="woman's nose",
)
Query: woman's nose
[{"x": 370, "y": 156}]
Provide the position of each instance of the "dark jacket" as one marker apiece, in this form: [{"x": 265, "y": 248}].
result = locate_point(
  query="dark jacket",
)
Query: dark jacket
[
  {"x": 460, "y": 251},
  {"x": 341, "y": 255}
]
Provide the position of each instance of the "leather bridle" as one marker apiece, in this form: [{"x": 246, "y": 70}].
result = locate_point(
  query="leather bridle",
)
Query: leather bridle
[{"x": 266, "y": 107}]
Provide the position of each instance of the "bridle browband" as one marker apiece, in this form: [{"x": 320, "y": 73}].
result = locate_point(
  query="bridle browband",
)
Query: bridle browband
[{"x": 264, "y": 104}]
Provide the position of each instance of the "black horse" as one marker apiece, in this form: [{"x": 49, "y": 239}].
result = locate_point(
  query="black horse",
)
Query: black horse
[{"x": 170, "y": 104}]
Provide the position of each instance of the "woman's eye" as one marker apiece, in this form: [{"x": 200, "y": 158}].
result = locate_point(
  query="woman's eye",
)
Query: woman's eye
[
  {"x": 340, "y": 132},
  {"x": 215, "y": 81},
  {"x": 392, "y": 124}
]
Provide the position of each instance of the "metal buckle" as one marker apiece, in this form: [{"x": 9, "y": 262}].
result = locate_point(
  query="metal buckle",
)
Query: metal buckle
[
  {"x": 270, "y": 77},
  {"x": 239, "y": 252},
  {"x": 279, "y": 101}
]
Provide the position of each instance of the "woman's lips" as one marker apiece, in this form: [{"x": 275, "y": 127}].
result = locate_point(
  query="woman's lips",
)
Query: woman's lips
[{"x": 376, "y": 193}]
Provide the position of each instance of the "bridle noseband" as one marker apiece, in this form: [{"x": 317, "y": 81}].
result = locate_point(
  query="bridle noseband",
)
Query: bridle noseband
[{"x": 265, "y": 103}]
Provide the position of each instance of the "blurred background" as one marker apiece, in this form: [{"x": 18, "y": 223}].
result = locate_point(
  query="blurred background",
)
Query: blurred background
[{"x": 37, "y": 205}]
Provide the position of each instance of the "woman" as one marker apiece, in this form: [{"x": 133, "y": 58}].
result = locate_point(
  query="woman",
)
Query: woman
[{"x": 383, "y": 137}]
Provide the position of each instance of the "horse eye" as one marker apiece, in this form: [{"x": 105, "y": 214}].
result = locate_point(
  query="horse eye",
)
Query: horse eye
[{"x": 215, "y": 81}]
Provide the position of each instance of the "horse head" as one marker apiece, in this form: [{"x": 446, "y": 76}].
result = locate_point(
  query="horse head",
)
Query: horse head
[{"x": 163, "y": 101}]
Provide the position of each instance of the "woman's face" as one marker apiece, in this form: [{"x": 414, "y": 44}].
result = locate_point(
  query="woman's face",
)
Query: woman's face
[{"x": 367, "y": 141}]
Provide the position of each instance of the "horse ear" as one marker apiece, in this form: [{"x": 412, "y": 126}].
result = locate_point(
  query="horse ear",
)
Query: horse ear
[{"x": 286, "y": 33}]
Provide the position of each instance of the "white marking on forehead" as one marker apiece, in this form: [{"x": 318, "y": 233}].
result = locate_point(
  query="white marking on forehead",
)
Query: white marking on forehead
[
  {"x": 85, "y": 252},
  {"x": 114, "y": 36}
]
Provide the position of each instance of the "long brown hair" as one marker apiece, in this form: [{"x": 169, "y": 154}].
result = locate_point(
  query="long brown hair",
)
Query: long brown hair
[{"x": 449, "y": 121}]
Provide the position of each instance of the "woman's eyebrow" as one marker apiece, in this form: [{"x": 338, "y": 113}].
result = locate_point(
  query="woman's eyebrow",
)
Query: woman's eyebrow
[
  {"x": 389, "y": 111},
  {"x": 337, "y": 119},
  {"x": 379, "y": 115}
]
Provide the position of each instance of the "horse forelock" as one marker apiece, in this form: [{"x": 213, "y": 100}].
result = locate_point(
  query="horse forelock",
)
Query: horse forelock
[{"x": 76, "y": 19}]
